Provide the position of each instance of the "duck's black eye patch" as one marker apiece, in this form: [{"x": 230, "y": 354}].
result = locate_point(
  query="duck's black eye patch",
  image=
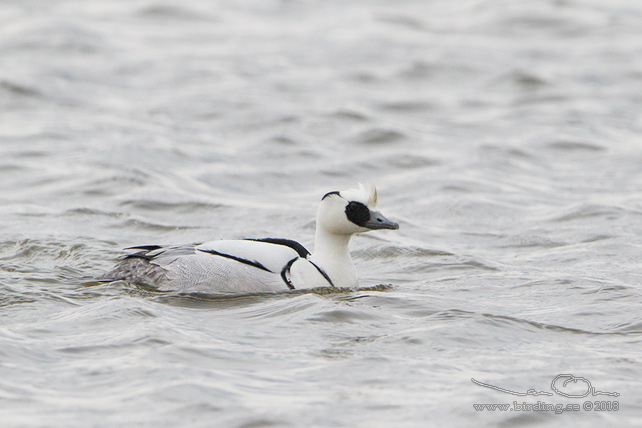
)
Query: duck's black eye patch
[{"x": 357, "y": 213}]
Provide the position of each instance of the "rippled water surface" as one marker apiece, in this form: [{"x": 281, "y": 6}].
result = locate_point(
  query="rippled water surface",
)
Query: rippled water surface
[{"x": 503, "y": 136}]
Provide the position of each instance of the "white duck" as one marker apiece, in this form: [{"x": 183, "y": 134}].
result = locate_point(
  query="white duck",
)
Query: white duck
[{"x": 263, "y": 265}]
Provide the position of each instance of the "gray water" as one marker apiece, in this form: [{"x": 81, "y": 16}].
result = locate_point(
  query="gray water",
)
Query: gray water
[{"x": 504, "y": 137}]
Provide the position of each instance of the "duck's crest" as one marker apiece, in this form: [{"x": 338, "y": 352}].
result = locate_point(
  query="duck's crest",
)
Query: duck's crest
[
  {"x": 372, "y": 195},
  {"x": 369, "y": 194}
]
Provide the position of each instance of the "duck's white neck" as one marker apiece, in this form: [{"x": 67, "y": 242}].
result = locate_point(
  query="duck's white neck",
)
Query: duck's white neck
[
  {"x": 331, "y": 253},
  {"x": 329, "y": 246}
]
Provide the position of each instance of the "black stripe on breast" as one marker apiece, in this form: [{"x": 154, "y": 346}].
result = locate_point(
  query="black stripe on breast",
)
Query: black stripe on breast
[
  {"x": 286, "y": 270},
  {"x": 238, "y": 259},
  {"x": 300, "y": 249},
  {"x": 325, "y": 275}
]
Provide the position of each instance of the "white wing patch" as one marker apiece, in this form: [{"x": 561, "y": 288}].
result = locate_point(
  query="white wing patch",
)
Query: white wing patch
[{"x": 203, "y": 272}]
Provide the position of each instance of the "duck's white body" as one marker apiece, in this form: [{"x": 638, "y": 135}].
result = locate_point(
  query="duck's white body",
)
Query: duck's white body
[{"x": 262, "y": 265}]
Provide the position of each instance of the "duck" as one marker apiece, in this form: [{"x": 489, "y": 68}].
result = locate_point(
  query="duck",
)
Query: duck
[{"x": 256, "y": 265}]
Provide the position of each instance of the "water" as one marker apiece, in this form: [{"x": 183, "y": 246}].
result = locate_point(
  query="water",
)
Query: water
[{"x": 503, "y": 136}]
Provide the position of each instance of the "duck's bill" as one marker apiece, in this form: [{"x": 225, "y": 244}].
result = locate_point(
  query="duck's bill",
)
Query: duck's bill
[{"x": 378, "y": 221}]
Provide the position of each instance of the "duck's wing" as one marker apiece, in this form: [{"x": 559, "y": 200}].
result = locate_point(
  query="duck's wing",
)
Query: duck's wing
[{"x": 227, "y": 265}]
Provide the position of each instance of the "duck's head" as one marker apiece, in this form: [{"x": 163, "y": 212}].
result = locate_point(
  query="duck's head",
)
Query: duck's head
[{"x": 352, "y": 211}]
